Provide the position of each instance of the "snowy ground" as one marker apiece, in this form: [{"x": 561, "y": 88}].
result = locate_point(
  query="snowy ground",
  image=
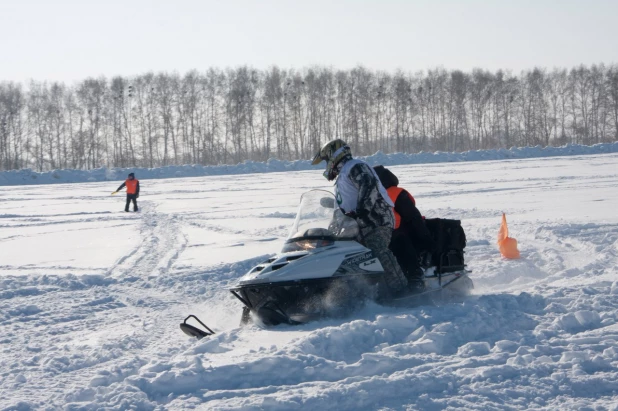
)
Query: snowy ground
[{"x": 91, "y": 297}]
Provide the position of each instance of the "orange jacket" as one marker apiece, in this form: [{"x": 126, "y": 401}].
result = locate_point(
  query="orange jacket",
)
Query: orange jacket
[
  {"x": 131, "y": 185},
  {"x": 393, "y": 193}
]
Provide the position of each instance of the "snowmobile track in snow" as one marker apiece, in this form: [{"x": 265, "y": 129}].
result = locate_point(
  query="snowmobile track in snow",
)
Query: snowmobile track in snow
[{"x": 162, "y": 242}]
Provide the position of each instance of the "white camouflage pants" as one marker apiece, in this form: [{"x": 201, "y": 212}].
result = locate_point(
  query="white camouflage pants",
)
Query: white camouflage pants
[{"x": 378, "y": 239}]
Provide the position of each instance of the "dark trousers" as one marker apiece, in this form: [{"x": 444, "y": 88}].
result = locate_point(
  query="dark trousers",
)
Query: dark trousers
[
  {"x": 131, "y": 197},
  {"x": 407, "y": 256}
]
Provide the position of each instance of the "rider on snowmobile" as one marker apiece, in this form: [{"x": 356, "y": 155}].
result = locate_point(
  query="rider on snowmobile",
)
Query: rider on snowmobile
[
  {"x": 360, "y": 195},
  {"x": 411, "y": 233}
]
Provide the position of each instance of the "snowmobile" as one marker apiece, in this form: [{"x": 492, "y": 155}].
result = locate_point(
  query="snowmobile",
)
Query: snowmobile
[{"x": 323, "y": 271}]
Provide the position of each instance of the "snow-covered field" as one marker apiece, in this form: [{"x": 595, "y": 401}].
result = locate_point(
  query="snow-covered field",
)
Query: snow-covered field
[{"x": 91, "y": 297}]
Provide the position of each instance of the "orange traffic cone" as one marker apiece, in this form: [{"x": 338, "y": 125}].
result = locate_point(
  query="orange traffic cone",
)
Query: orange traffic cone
[{"x": 507, "y": 245}]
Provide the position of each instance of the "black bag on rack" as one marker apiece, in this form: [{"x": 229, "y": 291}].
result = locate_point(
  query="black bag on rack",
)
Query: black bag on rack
[{"x": 450, "y": 237}]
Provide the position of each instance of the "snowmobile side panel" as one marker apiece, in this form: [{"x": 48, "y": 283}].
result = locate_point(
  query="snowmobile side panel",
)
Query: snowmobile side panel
[
  {"x": 323, "y": 263},
  {"x": 294, "y": 302}
]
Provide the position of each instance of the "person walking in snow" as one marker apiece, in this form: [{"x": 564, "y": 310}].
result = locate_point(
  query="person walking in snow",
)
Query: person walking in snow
[
  {"x": 360, "y": 195},
  {"x": 132, "y": 185}
]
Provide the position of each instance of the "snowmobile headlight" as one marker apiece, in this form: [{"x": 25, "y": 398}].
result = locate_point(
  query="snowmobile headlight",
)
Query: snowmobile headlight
[{"x": 305, "y": 245}]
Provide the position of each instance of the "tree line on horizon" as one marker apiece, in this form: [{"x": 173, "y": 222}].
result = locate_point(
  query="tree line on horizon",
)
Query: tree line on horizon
[{"x": 228, "y": 116}]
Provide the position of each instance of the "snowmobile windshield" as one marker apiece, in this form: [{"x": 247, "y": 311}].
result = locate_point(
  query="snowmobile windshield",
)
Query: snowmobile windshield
[{"x": 319, "y": 218}]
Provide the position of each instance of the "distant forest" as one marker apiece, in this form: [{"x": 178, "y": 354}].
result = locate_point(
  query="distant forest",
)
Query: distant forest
[{"x": 228, "y": 116}]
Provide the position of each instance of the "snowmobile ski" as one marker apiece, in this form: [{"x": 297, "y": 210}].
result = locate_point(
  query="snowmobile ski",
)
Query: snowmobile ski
[{"x": 193, "y": 331}]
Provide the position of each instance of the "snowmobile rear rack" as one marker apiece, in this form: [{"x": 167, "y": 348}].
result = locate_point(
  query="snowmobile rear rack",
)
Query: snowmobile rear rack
[{"x": 193, "y": 331}]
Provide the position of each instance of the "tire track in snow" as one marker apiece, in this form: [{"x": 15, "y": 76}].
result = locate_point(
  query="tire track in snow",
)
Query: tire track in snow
[
  {"x": 162, "y": 243},
  {"x": 74, "y": 313}
]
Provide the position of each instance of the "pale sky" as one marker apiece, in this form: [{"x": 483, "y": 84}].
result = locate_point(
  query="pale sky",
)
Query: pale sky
[{"x": 69, "y": 40}]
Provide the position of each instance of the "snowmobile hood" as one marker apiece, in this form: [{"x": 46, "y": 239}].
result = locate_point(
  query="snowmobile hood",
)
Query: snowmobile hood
[{"x": 320, "y": 263}]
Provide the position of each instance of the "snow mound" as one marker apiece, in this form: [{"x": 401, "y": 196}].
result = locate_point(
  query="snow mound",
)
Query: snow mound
[{"x": 27, "y": 176}]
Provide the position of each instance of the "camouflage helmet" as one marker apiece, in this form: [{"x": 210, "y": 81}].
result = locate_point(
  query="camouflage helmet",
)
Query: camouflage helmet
[{"x": 332, "y": 152}]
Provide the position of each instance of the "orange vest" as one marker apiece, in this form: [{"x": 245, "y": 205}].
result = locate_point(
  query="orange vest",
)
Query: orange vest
[
  {"x": 131, "y": 185},
  {"x": 393, "y": 193}
]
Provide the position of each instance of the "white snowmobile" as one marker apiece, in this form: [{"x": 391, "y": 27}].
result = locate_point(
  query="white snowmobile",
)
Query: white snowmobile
[{"x": 323, "y": 271}]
